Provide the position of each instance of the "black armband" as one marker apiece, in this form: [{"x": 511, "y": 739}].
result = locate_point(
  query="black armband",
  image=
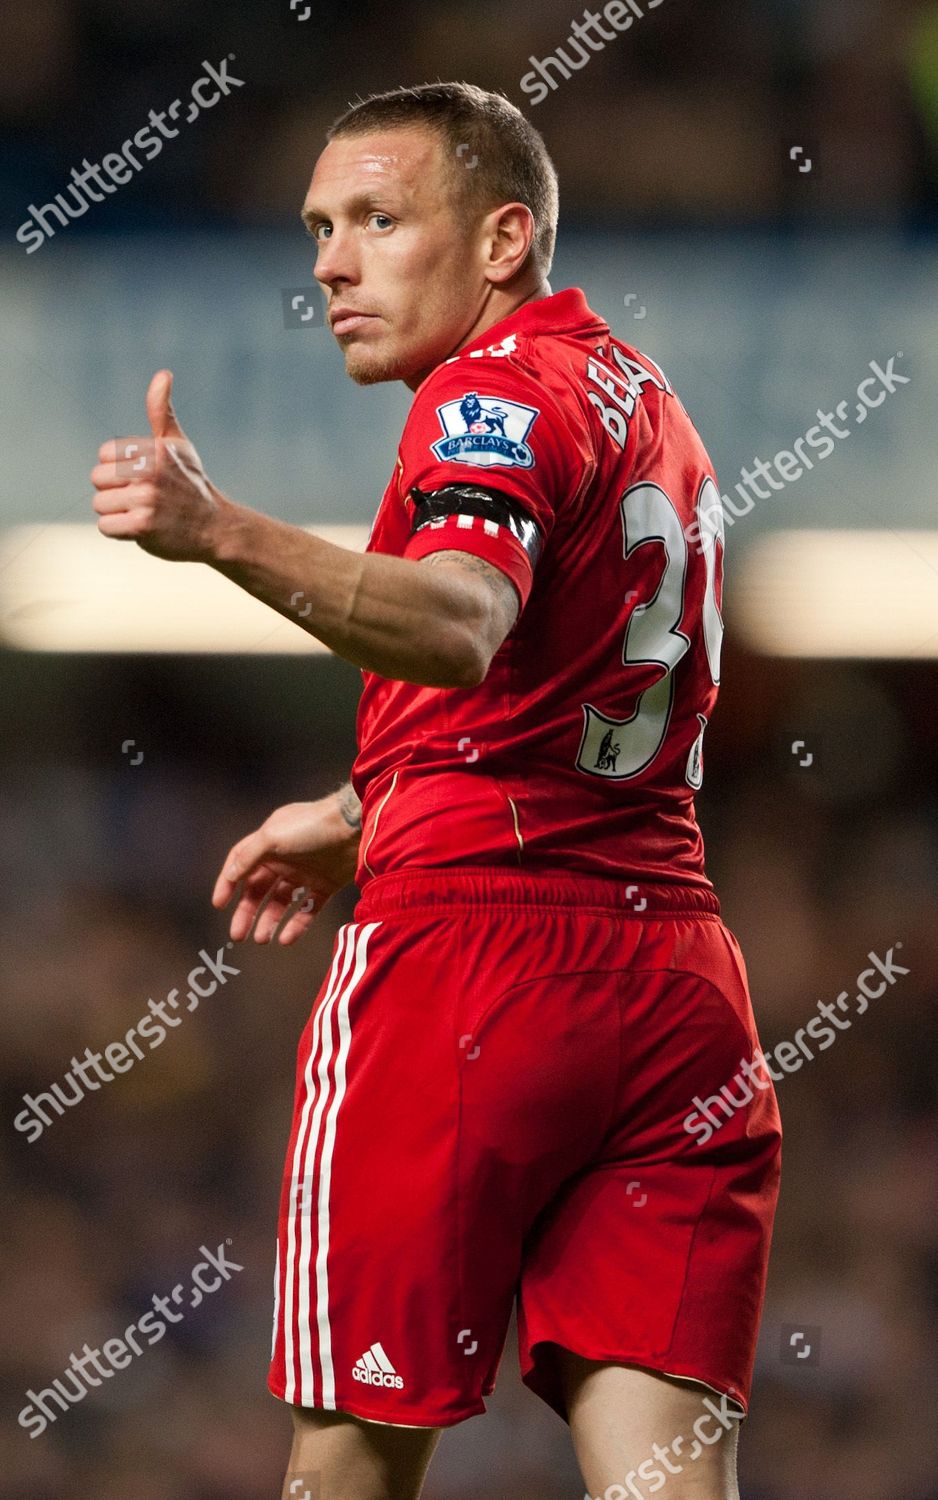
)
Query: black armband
[{"x": 471, "y": 500}]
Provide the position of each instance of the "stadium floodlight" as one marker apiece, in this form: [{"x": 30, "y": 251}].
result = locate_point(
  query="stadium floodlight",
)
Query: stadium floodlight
[
  {"x": 867, "y": 594},
  {"x": 861, "y": 594},
  {"x": 67, "y": 588}
]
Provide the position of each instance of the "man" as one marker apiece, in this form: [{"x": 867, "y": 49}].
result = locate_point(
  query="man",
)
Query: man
[{"x": 494, "y": 1087}]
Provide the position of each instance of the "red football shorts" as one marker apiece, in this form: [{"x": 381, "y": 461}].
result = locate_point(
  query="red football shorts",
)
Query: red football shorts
[{"x": 490, "y": 1103}]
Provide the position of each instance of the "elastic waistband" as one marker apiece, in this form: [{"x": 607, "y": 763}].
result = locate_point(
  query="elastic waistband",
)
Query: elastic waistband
[{"x": 490, "y": 885}]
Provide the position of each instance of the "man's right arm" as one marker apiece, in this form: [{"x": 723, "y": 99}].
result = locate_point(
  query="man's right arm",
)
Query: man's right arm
[
  {"x": 305, "y": 851},
  {"x": 349, "y": 806}
]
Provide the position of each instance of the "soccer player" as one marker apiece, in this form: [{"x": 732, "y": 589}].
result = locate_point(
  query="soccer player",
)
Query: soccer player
[{"x": 536, "y": 997}]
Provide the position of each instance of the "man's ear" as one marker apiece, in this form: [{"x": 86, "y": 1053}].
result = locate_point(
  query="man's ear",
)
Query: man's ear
[{"x": 511, "y": 230}]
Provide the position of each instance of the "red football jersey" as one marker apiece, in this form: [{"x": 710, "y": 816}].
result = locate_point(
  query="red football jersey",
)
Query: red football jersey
[{"x": 563, "y": 457}]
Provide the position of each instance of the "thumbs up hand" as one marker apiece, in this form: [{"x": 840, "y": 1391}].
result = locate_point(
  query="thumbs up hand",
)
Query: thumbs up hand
[{"x": 154, "y": 491}]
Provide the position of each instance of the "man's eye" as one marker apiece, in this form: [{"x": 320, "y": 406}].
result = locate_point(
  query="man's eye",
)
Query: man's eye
[
  {"x": 321, "y": 232},
  {"x": 380, "y": 221}
]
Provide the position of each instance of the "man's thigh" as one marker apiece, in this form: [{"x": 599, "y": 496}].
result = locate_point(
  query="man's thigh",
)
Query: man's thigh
[
  {"x": 339, "y": 1457},
  {"x": 635, "y": 1432}
]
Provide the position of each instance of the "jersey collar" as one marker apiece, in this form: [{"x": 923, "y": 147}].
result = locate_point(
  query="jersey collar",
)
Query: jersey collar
[{"x": 563, "y": 312}]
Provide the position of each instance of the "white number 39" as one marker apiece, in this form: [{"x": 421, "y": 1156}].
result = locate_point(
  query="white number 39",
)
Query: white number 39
[{"x": 621, "y": 748}]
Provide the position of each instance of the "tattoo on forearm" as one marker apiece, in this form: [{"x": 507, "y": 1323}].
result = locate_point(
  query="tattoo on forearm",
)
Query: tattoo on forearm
[{"x": 350, "y": 807}]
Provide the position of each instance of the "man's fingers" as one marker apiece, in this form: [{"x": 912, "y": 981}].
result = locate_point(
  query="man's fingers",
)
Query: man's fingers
[
  {"x": 300, "y": 922},
  {"x": 119, "y": 471},
  {"x": 128, "y": 497},
  {"x": 239, "y": 862},
  {"x": 300, "y": 909},
  {"x": 257, "y": 888},
  {"x": 124, "y": 525},
  {"x": 124, "y": 459},
  {"x": 227, "y": 882},
  {"x": 110, "y": 504},
  {"x": 106, "y": 477},
  {"x": 160, "y": 413},
  {"x": 278, "y": 902},
  {"x": 244, "y": 916},
  {"x": 306, "y": 904},
  {"x": 267, "y": 911},
  {"x": 267, "y": 893}
]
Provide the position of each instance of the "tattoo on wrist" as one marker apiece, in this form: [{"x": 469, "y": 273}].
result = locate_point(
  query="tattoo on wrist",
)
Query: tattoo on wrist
[{"x": 350, "y": 807}]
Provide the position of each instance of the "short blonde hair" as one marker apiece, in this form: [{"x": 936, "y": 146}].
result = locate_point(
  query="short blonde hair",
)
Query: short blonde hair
[{"x": 511, "y": 160}]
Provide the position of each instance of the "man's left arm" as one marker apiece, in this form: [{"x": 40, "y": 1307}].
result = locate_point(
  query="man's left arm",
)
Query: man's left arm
[{"x": 435, "y": 626}]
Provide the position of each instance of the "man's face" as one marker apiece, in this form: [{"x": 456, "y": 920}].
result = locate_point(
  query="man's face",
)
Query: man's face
[{"x": 392, "y": 249}]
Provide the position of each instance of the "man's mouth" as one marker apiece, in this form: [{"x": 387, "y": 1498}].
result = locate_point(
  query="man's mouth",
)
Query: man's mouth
[{"x": 346, "y": 320}]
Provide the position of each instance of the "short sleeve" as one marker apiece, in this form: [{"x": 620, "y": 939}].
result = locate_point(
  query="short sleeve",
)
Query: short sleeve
[{"x": 487, "y": 460}]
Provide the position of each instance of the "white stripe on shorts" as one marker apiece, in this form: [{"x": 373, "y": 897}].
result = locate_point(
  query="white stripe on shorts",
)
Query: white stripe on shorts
[
  {"x": 273, "y": 1336},
  {"x": 325, "y": 1179},
  {"x": 299, "y": 1187},
  {"x": 347, "y": 969}
]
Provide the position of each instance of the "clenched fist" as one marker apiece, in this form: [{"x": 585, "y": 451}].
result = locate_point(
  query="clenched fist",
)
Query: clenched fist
[{"x": 154, "y": 490}]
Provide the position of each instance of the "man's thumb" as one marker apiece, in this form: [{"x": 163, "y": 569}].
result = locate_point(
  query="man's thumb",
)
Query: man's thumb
[{"x": 160, "y": 411}]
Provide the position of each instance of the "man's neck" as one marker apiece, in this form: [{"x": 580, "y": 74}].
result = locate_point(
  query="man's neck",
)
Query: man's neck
[
  {"x": 496, "y": 310},
  {"x": 501, "y": 307}
]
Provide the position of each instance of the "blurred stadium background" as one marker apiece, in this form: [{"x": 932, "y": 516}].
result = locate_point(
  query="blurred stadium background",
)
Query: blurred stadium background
[{"x": 765, "y": 290}]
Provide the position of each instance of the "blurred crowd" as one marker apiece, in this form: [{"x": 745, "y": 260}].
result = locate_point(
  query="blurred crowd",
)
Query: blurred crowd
[
  {"x": 690, "y": 115},
  {"x": 106, "y": 903}
]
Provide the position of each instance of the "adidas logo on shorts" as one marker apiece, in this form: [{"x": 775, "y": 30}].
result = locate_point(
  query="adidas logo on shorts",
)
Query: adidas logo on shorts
[{"x": 374, "y": 1368}]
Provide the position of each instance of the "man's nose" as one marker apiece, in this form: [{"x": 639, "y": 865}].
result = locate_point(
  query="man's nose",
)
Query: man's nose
[{"x": 336, "y": 261}]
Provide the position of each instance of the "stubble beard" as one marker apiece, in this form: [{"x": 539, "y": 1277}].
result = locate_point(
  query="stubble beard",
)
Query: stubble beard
[{"x": 372, "y": 367}]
